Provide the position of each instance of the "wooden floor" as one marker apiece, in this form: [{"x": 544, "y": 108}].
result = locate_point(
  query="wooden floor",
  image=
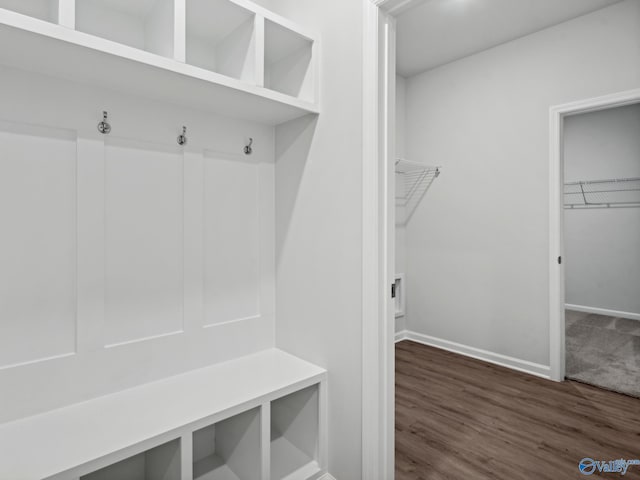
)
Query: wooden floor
[{"x": 462, "y": 419}]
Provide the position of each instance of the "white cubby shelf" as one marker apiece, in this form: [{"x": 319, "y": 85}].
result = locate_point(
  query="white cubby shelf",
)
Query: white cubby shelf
[
  {"x": 230, "y": 57},
  {"x": 221, "y": 37},
  {"x": 259, "y": 417},
  {"x": 143, "y": 24},
  {"x": 294, "y": 435},
  {"x": 288, "y": 61},
  {"x": 229, "y": 450}
]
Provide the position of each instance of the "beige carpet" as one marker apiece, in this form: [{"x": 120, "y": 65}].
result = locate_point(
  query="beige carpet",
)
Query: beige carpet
[{"x": 603, "y": 351}]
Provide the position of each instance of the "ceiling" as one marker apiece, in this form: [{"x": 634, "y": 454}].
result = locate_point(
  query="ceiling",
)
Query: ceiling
[{"x": 436, "y": 32}]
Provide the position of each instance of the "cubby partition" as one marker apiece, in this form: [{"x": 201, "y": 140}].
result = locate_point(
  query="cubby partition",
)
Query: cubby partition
[{"x": 233, "y": 38}]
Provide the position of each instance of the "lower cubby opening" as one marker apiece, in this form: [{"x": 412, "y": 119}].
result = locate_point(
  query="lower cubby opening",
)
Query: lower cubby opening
[
  {"x": 229, "y": 450},
  {"x": 294, "y": 435},
  {"x": 159, "y": 463}
]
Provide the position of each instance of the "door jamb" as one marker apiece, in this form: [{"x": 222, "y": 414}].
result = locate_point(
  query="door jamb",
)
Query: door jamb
[{"x": 378, "y": 353}]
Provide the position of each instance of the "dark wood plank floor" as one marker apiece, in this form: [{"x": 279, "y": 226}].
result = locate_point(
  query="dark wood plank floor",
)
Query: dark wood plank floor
[{"x": 462, "y": 419}]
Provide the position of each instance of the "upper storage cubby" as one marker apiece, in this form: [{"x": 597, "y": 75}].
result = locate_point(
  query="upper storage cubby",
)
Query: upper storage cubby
[
  {"x": 142, "y": 24},
  {"x": 288, "y": 62},
  {"x": 228, "y": 57},
  {"x": 46, "y": 10},
  {"x": 221, "y": 38}
]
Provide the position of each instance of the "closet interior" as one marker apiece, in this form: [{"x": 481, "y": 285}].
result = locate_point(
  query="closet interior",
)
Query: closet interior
[{"x": 601, "y": 237}]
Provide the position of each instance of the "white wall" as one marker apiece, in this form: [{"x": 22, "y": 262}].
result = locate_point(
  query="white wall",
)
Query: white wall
[
  {"x": 318, "y": 225},
  {"x": 478, "y": 245},
  {"x": 401, "y": 230},
  {"x": 602, "y": 246},
  {"x": 125, "y": 258}
]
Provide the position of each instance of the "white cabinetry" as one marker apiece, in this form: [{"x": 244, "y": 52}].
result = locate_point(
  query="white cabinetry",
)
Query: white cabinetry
[
  {"x": 230, "y": 57},
  {"x": 259, "y": 417}
]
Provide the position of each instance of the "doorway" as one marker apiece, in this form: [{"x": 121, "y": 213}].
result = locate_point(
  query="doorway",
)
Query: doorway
[
  {"x": 595, "y": 196},
  {"x": 538, "y": 347},
  {"x": 602, "y": 258}
]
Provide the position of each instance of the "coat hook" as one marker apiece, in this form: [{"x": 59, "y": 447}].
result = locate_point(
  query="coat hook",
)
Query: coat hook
[
  {"x": 248, "y": 150},
  {"x": 182, "y": 139},
  {"x": 104, "y": 127}
]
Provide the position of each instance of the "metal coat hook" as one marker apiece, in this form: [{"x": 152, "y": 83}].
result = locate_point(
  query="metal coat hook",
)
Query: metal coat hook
[
  {"x": 248, "y": 149},
  {"x": 104, "y": 127},
  {"x": 182, "y": 139}
]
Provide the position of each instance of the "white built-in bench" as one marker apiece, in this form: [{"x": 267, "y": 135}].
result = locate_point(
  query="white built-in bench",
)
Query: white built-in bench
[{"x": 259, "y": 417}]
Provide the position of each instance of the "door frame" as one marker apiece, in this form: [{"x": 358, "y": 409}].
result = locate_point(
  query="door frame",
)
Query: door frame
[
  {"x": 378, "y": 234},
  {"x": 377, "y": 364},
  {"x": 557, "y": 114}
]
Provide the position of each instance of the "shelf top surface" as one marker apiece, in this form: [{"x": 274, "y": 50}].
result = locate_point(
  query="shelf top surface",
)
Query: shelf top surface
[{"x": 43, "y": 445}]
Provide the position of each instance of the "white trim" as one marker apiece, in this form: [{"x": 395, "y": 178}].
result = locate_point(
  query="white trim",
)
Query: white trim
[
  {"x": 387, "y": 187},
  {"x": 327, "y": 476},
  {"x": 402, "y": 335},
  {"x": 603, "y": 311},
  {"x": 556, "y": 212},
  {"x": 144, "y": 339},
  {"x": 235, "y": 320},
  {"x": 37, "y": 360},
  {"x": 372, "y": 313},
  {"x": 378, "y": 359},
  {"x": 524, "y": 366}
]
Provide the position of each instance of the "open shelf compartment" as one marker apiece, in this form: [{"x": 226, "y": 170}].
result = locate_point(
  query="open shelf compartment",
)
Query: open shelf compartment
[
  {"x": 159, "y": 463},
  {"x": 229, "y": 449},
  {"x": 289, "y": 62},
  {"x": 294, "y": 435},
  {"x": 142, "y": 24},
  {"x": 46, "y": 10},
  {"x": 221, "y": 38}
]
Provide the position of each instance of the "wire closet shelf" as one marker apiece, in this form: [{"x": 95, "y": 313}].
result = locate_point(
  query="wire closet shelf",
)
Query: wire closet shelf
[
  {"x": 616, "y": 193},
  {"x": 413, "y": 181}
]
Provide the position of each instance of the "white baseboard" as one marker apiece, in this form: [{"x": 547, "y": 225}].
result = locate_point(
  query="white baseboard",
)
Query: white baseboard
[
  {"x": 603, "y": 311},
  {"x": 401, "y": 335},
  {"x": 525, "y": 366}
]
